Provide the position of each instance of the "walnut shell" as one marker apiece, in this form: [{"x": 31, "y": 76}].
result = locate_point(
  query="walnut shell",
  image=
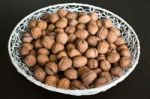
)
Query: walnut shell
[
  {"x": 53, "y": 17},
  {"x": 97, "y": 70},
  {"x": 76, "y": 84},
  {"x": 57, "y": 47},
  {"x": 79, "y": 61},
  {"x": 82, "y": 34},
  {"x": 59, "y": 30},
  {"x": 61, "y": 23},
  {"x": 112, "y": 46},
  {"x": 81, "y": 26},
  {"x": 113, "y": 57},
  {"x": 125, "y": 52},
  {"x": 39, "y": 74},
  {"x": 107, "y": 75},
  {"x": 51, "y": 27},
  {"x": 112, "y": 37},
  {"x": 53, "y": 58},
  {"x": 32, "y": 23},
  {"x": 51, "y": 80},
  {"x": 47, "y": 41},
  {"x": 102, "y": 47},
  {"x": 73, "y": 22},
  {"x": 71, "y": 15},
  {"x": 63, "y": 83},
  {"x": 117, "y": 31},
  {"x": 116, "y": 71},
  {"x": 105, "y": 65},
  {"x": 27, "y": 37},
  {"x": 122, "y": 47},
  {"x": 71, "y": 74},
  {"x": 101, "y": 57},
  {"x": 42, "y": 24},
  {"x": 99, "y": 23},
  {"x": 38, "y": 43},
  {"x": 84, "y": 18},
  {"x": 92, "y": 63},
  {"x": 125, "y": 62},
  {"x": 36, "y": 32},
  {"x": 102, "y": 33},
  {"x": 70, "y": 29},
  {"x": 100, "y": 81},
  {"x": 43, "y": 51},
  {"x": 62, "y": 38},
  {"x": 119, "y": 41},
  {"x": 82, "y": 45},
  {"x": 91, "y": 53},
  {"x": 107, "y": 23},
  {"x": 42, "y": 59},
  {"x": 62, "y": 12},
  {"x": 71, "y": 37},
  {"x": 93, "y": 16},
  {"x": 93, "y": 40},
  {"x": 62, "y": 54},
  {"x": 92, "y": 27},
  {"x": 30, "y": 60},
  {"x": 73, "y": 52},
  {"x": 64, "y": 64},
  {"x": 70, "y": 46},
  {"x": 51, "y": 68}
]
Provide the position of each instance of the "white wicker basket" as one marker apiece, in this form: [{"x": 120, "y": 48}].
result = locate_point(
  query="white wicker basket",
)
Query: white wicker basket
[{"x": 126, "y": 31}]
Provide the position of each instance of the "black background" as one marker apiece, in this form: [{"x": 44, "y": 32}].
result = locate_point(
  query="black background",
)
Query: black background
[{"x": 135, "y": 12}]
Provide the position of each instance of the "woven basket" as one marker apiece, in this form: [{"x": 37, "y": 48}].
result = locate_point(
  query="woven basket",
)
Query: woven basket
[{"x": 127, "y": 33}]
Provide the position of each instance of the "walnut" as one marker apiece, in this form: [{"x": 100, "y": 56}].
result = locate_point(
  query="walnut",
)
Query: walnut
[
  {"x": 38, "y": 43},
  {"x": 97, "y": 70},
  {"x": 102, "y": 33},
  {"x": 53, "y": 17},
  {"x": 91, "y": 53},
  {"x": 59, "y": 30},
  {"x": 62, "y": 38},
  {"x": 63, "y": 83},
  {"x": 26, "y": 48},
  {"x": 73, "y": 52},
  {"x": 82, "y": 45},
  {"x": 71, "y": 37},
  {"x": 88, "y": 76},
  {"x": 39, "y": 73},
  {"x": 70, "y": 29},
  {"x": 42, "y": 24},
  {"x": 51, "y": 27},
  {"x": 112, "y": 46},
  {"x": 71, "y": 74},
  {"x": 101, "y": 57},
  {"x": 71, "y": 15},
  {"x": 93, "y": 40},
  {"x": 51, "y": 80},
  {"x": 81, "y": 26},
  {"x": 51, "y": 68},
  {"x": 112, "y": 37},
  {"x": 32, "y": 23},
  {"x": 53, "y": 58},
  {"x": 99, "y": 23},
  {"x": 105, "y": 65},
  {"x": 62, "y": 12},
  {"x": 76, "y": 84},
  {"x": 79, "y": 61},
  {"x": 82, "y": 34},
  {"x": 42, "y": 59},
  {"x": 107, "y": 23},
  {"x": 84, "y": 18},
  {"x": 61, "y": 23},
  {"x": 116, "y": 71},
  {"x": 125, "y": 52},
  {"x": 62, "y": 54},
  {"x": 107, "y": 75},
  {"x": 92, "y": 63},
  {"x": 57, "y": 47},
  {"x": 122, "y": 47},
  {"x": 47, "y": 41},
  {"x": 125, "y": 62},
  {"x": 117, "y": 31},
  {"x": 64, "y": 64},
  {"x": 36, "y": 32},
  {"x": 102, "y": 47},
  {"x": 70, "y": 46},
  {"x": 27, "y": 37},
  {"x": 92, "y": 27},
  {"x": 73, "y": 22},
  {"x": 43, "y": 51},
  {"x": 113, "y": 57},
  {"x": 101, "y": 81},
  {"x": 93, "y": 16},
  {"x": 30, "y": 60},
  {"x": 119, "y": 41}
]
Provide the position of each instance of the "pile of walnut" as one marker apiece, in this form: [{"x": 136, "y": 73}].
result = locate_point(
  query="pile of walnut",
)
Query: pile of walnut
[{"x": 72, "y": 50}]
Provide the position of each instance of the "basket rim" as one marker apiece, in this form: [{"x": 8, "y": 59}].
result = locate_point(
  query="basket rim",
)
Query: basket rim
[{"x": 75, "y": 92}]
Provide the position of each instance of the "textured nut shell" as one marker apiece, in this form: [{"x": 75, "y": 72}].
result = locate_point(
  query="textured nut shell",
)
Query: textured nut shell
[
  {"x": 102, "y": 33},
  {"x": 70, "y": 46},
  {"x": 125, "y": 52},
  {"x": 51, "y": 68},
  {"x": 91, "y": 53},
  {"x": 62, "y": 12},
  {"x": 27, "y": 37},
  {"x": 119, "y": 41},
  {"x": 30, "y": 60},
  {"x": 61, "y": 23},
  {"x": 99, "y": 23},
  {"x": 43, "y": 51},
  {"x": 71, "y": 37},
  {"x": 101, "y": 57},
  {"x": 71, "y": 15},
  {"x": 73, "y": 22},
  {"x": 53, "y": 58},
  {"x": 107, "y": 75},
  {"x": 64, "y": 64},
  {"x": 112, "y": 37},
  {"x": 70, "y": 29},
  {"x": 105, "y": 65},
  {"x": 82, "y": 34},
  {"x": 76, "y": 84},
  {"x": 100, "y": 81},
  {"x": 82, "y": 45},
  {"x": 71, "y": 74},
  {"x": 102, "y": 47},
  {"x": 125, "y": 62},
  {"x": 62, "y": 54},
  {"x": 117, "y": 31},
  {"x": 81, "y": 26},
  {"x": 38, "y": 43},
  {"x": 84, "y": 18},
  {"x": 92, "y": 27},
  {"x": 113, "y": 57},
  {"x": 42, "y": 59},
  {"x": 57, "y": 47},
  {"x": 116, "y": 71},
  {"x": 47, "y": 42},
  {"x": 53, "y": 17},
  {"x": 122, "y": 47},
  {"x": 63, "y": 83},
  {"x": 93, "y": 16},
  {"x": 93, "y": 40},
  {"x": 51, "y": 27},
  {"x": 92, "y": 63},
  {"x": 39, "y": 74},
  {"x": 27, "y": 46},
  {"x": 32, "y": 23},
  {"x": 107, "y": 23},
  {"x": 36, "y": 32},
  {"x": 51, "y": 80},
  {"x": 73, "y": 52},
  {"x": 79, "y": 61},
  {"x": 62, "y": 38},
  {"x": 42, "y": 24}
]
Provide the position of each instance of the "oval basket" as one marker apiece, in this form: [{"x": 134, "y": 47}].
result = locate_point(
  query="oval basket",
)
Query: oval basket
[{"x": 127, "y": 33}]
